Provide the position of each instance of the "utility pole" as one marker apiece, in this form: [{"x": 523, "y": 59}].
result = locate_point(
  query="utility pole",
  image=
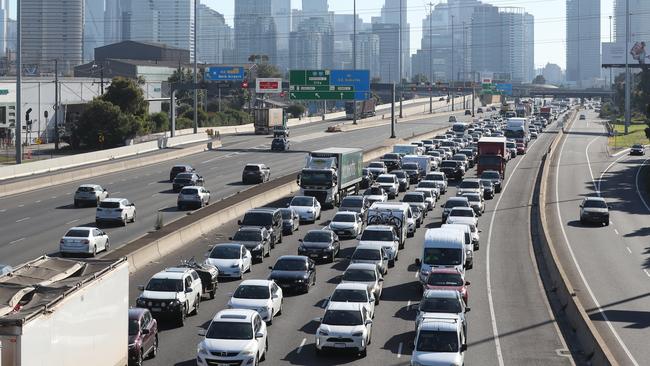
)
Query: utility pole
[
  {"x": 101, "y": 79},
  {"x": 627, "y": 66},
  {"x": 392, "y": 111},
  {"x": 401, "y": 115},
  {"x": 196, "y": 92},
  {"x": 354, "y": 55},
  {"x": 451, "y": 86},
  {"x": 56, "y": 104},
  {"x": 19, "y": 73},
  {"x": 611, "y": 81},
  {"x": 430, "y": 57}
]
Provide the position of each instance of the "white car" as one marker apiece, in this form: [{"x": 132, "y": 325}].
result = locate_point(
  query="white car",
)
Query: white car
[
  {"x": 372, "y": 253},
  {"x": 429, "y": 196},
  {"x": 385, "y": 236},
  {"x": 263, "y": 296},
  {"x": 367, "y": 274},
  {"x": 439, "y": 342},
  {"x": 234, "y": 337},
  {"x": 432, "y": 185},
  {"x": 83, "y": 240},
  {"x": 465, "y": 215},
  {"x": 440, "y": 178},
  {"x": 232, "y": 260},
  {"x": 193, "y": 196},
  {"x": 344, "y": 326},
  {"x": 441, "y": 304},
  {"x": 354, "y": 292},
  {"x": 346, "y": 224},
  {"x": 118, "y": 210},
  {"x": 308, "y": 208},
  {"x": 90, "y": 194},
  {"x": 174, "y": 292},
  {"x": 375, "y": 194},
  {"x": 476, "y": 202},
  {"x": 470, "y": 185},
  {"x": 389, "y": 183}
]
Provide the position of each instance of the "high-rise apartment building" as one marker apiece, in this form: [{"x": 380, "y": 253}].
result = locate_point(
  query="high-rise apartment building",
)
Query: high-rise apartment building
[
  {"x": 639, "y": 24},
  {"x": 486, "y": 46},
  {"x": 55, "y": 30},
  {"x": 390, "y": 14},
  {"x": 93, "y": 24},
  {"x": 312, "y": 46},
  {"x": 583, "y": 63},
  {"x": 281, "y": 12},
  {"x": 255, "y": 31},
  {"x": 176, "y": 23},
  {"x": 368, "y": 53},
  {"x": 315, "y": 8},
  {"x": 214, "y": 35}
]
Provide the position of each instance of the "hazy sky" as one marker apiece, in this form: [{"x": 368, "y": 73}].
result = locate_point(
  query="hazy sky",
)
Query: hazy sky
[{"x": 549, "y": 20}]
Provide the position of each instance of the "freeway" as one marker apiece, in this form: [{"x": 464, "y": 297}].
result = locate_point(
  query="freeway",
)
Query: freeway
[
  {"x": 509, "y": 324},
  {"x": 608, "y": 265},
  {"x": 33, "y": 222}
]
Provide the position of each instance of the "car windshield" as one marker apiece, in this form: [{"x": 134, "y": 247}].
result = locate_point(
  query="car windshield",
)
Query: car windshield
[
  {"x": 134, "y": 327},
  {"x": 374, "y": 191},
  {"x": 342, "y": 317},
  {"x": 595, "y": 204},
  {"x": 427, "y": 184},
  {"x": 437, "y": 341},
  {"x": 86, "y": 189},
  {"x": 391, "y": 157},
  {"x": 290, "y": 265},
  {"x": 376, "y": 165},
  {"x": 247, "y": 235},
  {"x": 252, "y": 292},
  {"x": 343, "y": 218},
  {"x": 77, "y": 233},
  {"x": 104, "y": 204},
  {"x": 427, "y": 193},
  {"x": 178, "y": 169},
  {"x": 440, "y": 305},
  {"x": 366, "y": 254},
  {"x": 184, "y": 176},
  {"x": 359, "y": 275},
  {"x": 252, "y": 168},
  {"x": 377, "y": 235},
  {"x": 316, "y": 177},
  {"x": 445, "y": 279},
  {"x": 386, "y": 179},
  {"x": 229, "y": 330},
  {"x": 190, "y": 191},
  {"x": 473, "y": 197},
  {"x": 400, "y": 173},
  {"x": 413, "y": 198},
  {"x": 225, "y": 252},
  {"x": 350, "y": 295},
  {"x": 510, "y": 145},
  {"x": 318, "y": 237},
  {"x": 302, "y": 201},
  {"x": 258, "y": 219},
  {"x": 410, "y": 166},
  {"x": 461, "y": 212},
  {"x": 435, "y": 176},
  {"x": 455, "y": 203},
  {"x": 352, "y": 202},
  {"x": 442, "y": 256},
  {"x": 164, "y": 285},
  {"x": 490, "y": 175},
  {"x": 448, "y": 164},
  {"x": 286, "y": 214}
]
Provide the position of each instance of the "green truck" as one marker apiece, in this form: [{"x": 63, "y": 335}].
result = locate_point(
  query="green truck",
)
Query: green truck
[{"x": 331, "y": 174}]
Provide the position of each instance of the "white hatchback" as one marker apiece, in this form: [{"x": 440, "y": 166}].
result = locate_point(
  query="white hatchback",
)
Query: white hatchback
[
  {"x": 308, "y": 208},
  {"x": 83, "y": 240},
  {"x": 263, "y": 296},
  {"x": 344, "y": 326},
  {"x": 118, "y": 210}
]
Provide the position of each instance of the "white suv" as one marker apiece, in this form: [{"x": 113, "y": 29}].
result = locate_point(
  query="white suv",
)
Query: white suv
[
  {"x": 385, "y": 236},
  {"x": 389, "y": 183},
  {"x": 193, "y": 196},
  {"x": 172, "y": 292},
  {"x": 439, "y": 342},
  {"x": 115, "y": 210},
  {"x": 89, "y": 194},
  {"x": 234, "y": 337},
  {"x": 344, "y": 326}
]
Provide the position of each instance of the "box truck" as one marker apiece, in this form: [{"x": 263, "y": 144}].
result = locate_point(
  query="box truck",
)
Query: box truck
[
  {"x": 330, "y": 174},
  {"x": 266, "y": 119},
  {"x": 492, "y": 155},
  {"x": 363, "y": 109}
]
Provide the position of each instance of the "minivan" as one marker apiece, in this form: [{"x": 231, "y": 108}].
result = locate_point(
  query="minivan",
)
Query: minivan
[
  {"x": 469, "y": 245},
  {"x": 443, "y": 248},
  {"x": 270, "y": 218}
]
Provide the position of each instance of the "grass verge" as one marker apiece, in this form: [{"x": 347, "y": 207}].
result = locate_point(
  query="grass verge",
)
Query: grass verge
[{"x": 636, "y": 135}]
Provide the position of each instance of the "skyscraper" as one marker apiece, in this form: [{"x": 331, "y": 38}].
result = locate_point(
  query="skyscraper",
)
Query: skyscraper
[
  {"x": 388, "y": 35},
  {"x": 114, "y": 20},
  {"x": 390, "y": 14},
  {"x": 314, "y": 8},
  {"x": 281, "y": 11},
  {"x": 176, "y": 23},
  {"x": 93, "y": 27},
  {"x": 255, "y": 31},
  {"x": 55, "y": 31},
  {"x": 312, "y": 46},
  {"x": 486, "y": 41},
  {"x": 142, "y": 22},
  {"x": 583, "y": 42},
  {"x": 214, "y": 35}
]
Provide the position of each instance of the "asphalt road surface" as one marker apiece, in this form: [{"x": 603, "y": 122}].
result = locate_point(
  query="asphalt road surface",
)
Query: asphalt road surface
[
  {"x": 509, "y": 324},
  {"x": 609, "y": 266}
]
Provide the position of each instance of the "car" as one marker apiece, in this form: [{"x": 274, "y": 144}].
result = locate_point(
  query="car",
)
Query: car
[
  {"x": 280, "y": 144},
  {"x": 307, "y": 207},
  {"x": 367, "y": 274},
  {"x": 494, "y": 177},
  {"x": 382, "y": 235},
  {"x": 143, "y": 336},
  {"x": 345, "y": 326},
  {"x": 89, "y": 194},
  {"x": 280, "y": 131},
  {"x": 389, "y": 183},
  {"x": 451, "y": 203},
  {"x": 452, "y": 119},
  {"x": 290, "y": 221},
  {"x": 367, "y": 178},
  {"x": 512, "y": 148},
  {"x": 637, "y": 149},
  {"x": 521, "y": 148},
  {"x": 269, "y": 218},
  {"x": 453, "y": 169},
  {"x": 583, "y": 117},
  {"x": 346, "y": 224},
  {"x": 479, "y": 110},
  {"x": 177, "y": 169},
  {"x": 375, "y": 194},
  {"x": 231, "y": 259},
  {"x": 263, "y": 296},
  {"x": 595, "y": 210},
  {"x": 441, "y": 180},
  {"x": 463, "y": 159},
  {"x": 488, "y": 189},
  {"x": 5, "y": 269},
  {"x": 464, "y": 213},
  {"x": 440, "y": 342},
  {"x": 418, "y": 216},
  {"x": 186, "y": 179},
  {"x": 193, "y": 196},
  {"x": 174, "y": 292},
  {"x": 470, "y": 185},
  {"x": 371, "y": 253},
  {"x": 440, "y": 303},
  {"x": 255, "y": 173},
  {"x": 436, "y": 157},
  {"x": 294, "y": 273},
  {"x": 404, "y": 179},
  {"x": 475, "y": 202},
  {"x": 377, "y": 168},
  {"x": 118, "y": 210},
  {"x": 430, "y": 196},
  {"x": 354, "y": 293},
  {"x": 83, "y": 240},
  {"x": 468, "y": 112},
  {"x": 358, "y": 204},
  {"x": 533, "y": 134},
  {"x": 417, "y": 199},
  {"x": 256, "y": 239},
  {"x": 320, "y": 244},
  {"x": 234, "y": 337},
  {"x": 447, "y": 279},
  {"x": 393, "y": 161}
]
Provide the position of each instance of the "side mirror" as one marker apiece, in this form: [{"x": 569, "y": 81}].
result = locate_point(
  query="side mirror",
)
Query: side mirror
[
  {"x": 381, "y": 280},
  {"x": 368, "y": 321},
  {"x": 467, "y": 283},
  {"x": 463, "y": 348},
  {"x": 132, "y": 204},
  {"x": 105, "y": 190},
  {"x": 300, "y": 240},
  {"x": 144, "y": 331},
  {"x": 230, "y": 238},
  {"x": 467, "y": 310},
  {"x": 238, "y": 222},
  {"x": 271, "y": 267},
  {"x": 141, "y": 288},
  {"x": 418, "y": 261},
  {"x": 259, "y": 335},
  {"x": 188, "y": 290}
]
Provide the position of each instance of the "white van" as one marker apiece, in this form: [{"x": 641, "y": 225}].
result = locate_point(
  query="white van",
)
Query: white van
[
  {"x": 395, "y": 214},
  {"x": 469, "y": 245},
  {"x": 423, "y": 162},
  {"x": 443, "y": 248}
]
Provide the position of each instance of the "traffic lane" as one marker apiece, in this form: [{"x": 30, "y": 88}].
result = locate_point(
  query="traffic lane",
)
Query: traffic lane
[
  {"x": 607, "y": 277},
  {"x": 526, "y": 329}
]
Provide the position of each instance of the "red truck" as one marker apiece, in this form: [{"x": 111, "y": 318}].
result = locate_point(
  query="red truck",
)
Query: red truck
[
  {"x": 492, "y": 155},
  {"x": 545, "y": 112}
]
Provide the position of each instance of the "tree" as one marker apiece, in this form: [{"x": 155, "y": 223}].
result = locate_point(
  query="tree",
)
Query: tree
[
  {"x": 539, "y": 79},
  {"x": 266, "y": 70},
  {"x": 128, "y": 96},
  {"x": 296, "y": 110},
  {"x": 159, "y": 122},
  {"x": 104, "y": 125}
]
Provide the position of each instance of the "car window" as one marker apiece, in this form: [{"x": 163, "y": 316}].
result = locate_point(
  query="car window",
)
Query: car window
[
  {"x": 594, "y": 204},
  {"x": 257, "y": 323},
  {"x": 318, "y": 236},
  {"x": 134, "y": 327},
  {"x": 188, "y": 282},
  {"x": 290, "y": 265},
  {"x": 146, "y": 319},
  {"x": 86, "y": 189},
  {"x": 251, "y": 292},
  {"x": 189, "y": 191},
  {"x": 302, "y": 201},
  {"x": 252, "y": 168},
  {"x": 104, "y": 204},
  {"x": 225, "y": 252},
  {"x": 230, "y": 330},
  {"x": 97, "y": 232},
  {"x": 195, "y": 275},
  {"x": 366, "y": 254},
  {"x": 344, "y": 218},
  {"x": 349, "y": 295},
  {"x": 78, "y": 233}
]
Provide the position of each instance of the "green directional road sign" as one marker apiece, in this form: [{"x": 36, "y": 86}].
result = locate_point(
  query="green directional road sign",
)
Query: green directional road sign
[
  {"x": 309, "y": 77},
  {"x": 318, "y": 95},
  {"x": 320, "y": 88}
]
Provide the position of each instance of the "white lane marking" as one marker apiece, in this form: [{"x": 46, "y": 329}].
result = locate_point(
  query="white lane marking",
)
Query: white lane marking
[
  {"x": 16, "y": 241},
  {"x": 591, "y": 172},
  {"x": 53, "y": 197},
  {"x": 3, "y": 210},
  {"x": 575, "y": 260},
  {"x": 67, "y": 194},
  {"x": 636, "y": 183},
  {"x": 621, "y": 152},
  {"x": 39, "y": 201},
  {"x": 111, "y": 183},
  {"x": 151, "y": 183},
  {"x": 646, "y": 272},
  {"x": 23, "y": 219},
  {"x": 116, "y": 192},
  {"x": 629, "y": 250},
  {"x": 616, "y": 231},
  {"x": 155, "y": 194},
  {"x": 21, "y": 205},
  {"x": 72, "y": 221},
  {"x": 302, "y": 344},
  {"x": 399, "y": 349},
  {"x": 219, "y": 158}
]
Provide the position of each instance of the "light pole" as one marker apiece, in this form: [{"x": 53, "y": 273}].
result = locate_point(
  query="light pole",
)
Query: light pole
[
  {"x": 627, "y": 67},
  {"x": 400, "y": 61},
  {"x": 451, "y": 86},
  {"x": 354, "y": 55},
  {"x": 430, "y": 57},
  {"x": 19, "y": 72},
  {"x": 196, "y": 92},
  {"x": 611, "y": 82}
]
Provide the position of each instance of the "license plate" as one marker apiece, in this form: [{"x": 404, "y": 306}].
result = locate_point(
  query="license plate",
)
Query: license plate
[
  {"x": 314, "y": 255},
  {"x": 339, "y": 345},
  {"x": 156, "y": 309}
]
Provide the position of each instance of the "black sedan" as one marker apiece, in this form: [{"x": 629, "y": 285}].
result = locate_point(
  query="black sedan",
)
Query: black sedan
[
  {"x": 320, "y": 244},
  {"x": 279, "y": 144},
  {"x": 185, "y": 180},
  {"x": 495, "y": 177},
  {"x": 637, "y": 149},
  {"x": 294, "y": 272}
]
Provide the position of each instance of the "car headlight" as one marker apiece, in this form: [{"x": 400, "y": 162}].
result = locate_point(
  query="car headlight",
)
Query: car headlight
[
  {"x": 249, "y": 352},
  {"x": 300, "y": 281},
  {"x": 323, "y": 332},
  {"x": 258, "y": 247},
  {"x": 357, "y": 334},
  {"x": 200, "y": 349},
  {"x": 236, "y": 265}
]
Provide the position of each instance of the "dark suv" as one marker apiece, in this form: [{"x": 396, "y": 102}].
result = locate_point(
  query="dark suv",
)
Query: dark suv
[
  {"x": 185, "y": 180},
  {"x": 255, "y": 173},
  {"x": 393, "y": 161},
  {"x": 177, "y": 169},
  {"x": 143, "y": 336},
  {"x": 494, "y": 177},
  {"x": 453, "y": 169},
  {"x": 269, "y": 218}
]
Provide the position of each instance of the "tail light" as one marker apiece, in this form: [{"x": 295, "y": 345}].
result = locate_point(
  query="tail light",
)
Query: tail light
[
  {"x": 61, "y": 241},
  {"x": 85, "y": 241}
]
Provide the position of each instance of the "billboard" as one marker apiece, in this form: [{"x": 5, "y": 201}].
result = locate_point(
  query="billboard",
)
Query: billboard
[
  {"x": 638, "y": 55},
  {"x": 268, "y": 85}
]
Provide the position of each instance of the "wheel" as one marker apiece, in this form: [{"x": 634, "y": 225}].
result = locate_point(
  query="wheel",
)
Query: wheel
[
  {"x": 268, "y": 252},
  {"x": 154, "y": 350},
  {"x": 179, "y": 207},
  {"x": 280, "y": 310},
  {"x": 270, "y": 322},
  {"x": 133, "y": 218},
  {"x": 107, "y": 246},
  {"x": 140, "y": 359},
  {"x": 95, "y": 250},
  {"x": 124, "y": 220},
  {"x": 76, "y": 204},
  {"x": 266, "y": 349},
  {"x": 212, "y": 293},
  {"x": 391, "y": 264},
  {"x": 181, "y": 316},
  {"x": 197, "y": 305},
  {"x": 331, "y": 258}
]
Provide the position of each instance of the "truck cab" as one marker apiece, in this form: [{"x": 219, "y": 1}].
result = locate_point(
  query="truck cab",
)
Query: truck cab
[{"x": 331, "y": 174}]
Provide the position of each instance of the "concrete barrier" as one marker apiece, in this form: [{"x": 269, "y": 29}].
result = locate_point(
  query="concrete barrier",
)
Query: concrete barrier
[{"x": 559, "y": 285}]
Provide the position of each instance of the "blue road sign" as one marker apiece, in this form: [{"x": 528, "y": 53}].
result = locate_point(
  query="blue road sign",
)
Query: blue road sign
[
  {"x": 358, "y": 79},
  {"x": 220, "y": 73},
  {"x": 505, "y": 88}
]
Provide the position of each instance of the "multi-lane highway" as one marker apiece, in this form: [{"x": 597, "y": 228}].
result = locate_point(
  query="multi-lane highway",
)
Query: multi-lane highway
[
  {"x": 509, "y": 324},
  {"x": 33, "y": 222},
  {"x": 608, "y": 265}
]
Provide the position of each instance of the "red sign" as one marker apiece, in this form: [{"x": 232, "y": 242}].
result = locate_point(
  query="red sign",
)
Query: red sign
[{"x": 244, "y": 84}]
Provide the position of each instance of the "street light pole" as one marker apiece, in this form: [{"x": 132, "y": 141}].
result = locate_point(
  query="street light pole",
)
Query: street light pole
[
  {"x": 401, "y": 87},
  {"x": 451, "y": 86},
  {"x": 611, "y": 81},
  {"x": 56, "y": 104},
  {"x": 196, "y": 92},
  {"x": 430, "y": 57},
  {"x": 19, "y": 72},
  {"x": 627, "y": 67},
  {"x": 354, "y": 55}
]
